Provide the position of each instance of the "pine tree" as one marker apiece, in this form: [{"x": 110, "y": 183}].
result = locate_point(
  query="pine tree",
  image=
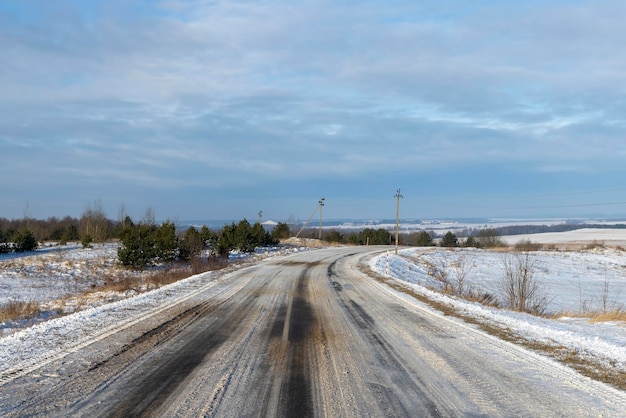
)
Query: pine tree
[
  {"x": 449, "y": 240},
  {"x": 424, "y": 239},
  {"x": 166, "y": 241},
  {"x": 24, "y": 240}
]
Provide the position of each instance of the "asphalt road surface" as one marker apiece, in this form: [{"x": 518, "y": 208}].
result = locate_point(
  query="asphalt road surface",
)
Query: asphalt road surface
[{"x": 304, "y": 335}]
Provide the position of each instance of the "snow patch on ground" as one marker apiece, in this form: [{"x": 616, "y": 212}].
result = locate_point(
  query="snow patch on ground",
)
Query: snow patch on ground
[
  {"x": 24, "y": 348},
  {"x": 570, "y": 277}
]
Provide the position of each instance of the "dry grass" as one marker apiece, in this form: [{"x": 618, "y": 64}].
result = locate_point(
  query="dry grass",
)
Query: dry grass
[
  {"x": 618, "y": 314},
  {"x": 119, "y": 281},
  {"x": 595, "y": 244},
  {"x": 16, "y": 310},
  {"x": 483, "y": 298},
  {"x": 613, "y": 315}
]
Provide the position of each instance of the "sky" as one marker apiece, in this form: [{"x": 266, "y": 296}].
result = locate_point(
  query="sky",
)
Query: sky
[{"x": 216, "y": 109}]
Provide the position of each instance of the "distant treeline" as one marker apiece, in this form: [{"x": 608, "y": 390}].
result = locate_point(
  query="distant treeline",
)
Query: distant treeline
[
  {"x": 536, "y": 229},
  {"x": 145, "y": 242}
]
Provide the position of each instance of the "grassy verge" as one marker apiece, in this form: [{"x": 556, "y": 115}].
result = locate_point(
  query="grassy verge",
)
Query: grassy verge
[
  {"x": 118, "y": 282},
  {"x": 18, "y": 310},
  {"x": 617, "y": 315},
  {"x": 589, "y": 367}
]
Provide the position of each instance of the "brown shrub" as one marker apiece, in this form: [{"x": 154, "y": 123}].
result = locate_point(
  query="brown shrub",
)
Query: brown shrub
[
  {"x": 14, "y": 310},
  {"x": 618, "y": 314},
  {"x": 527, "y": 245}
]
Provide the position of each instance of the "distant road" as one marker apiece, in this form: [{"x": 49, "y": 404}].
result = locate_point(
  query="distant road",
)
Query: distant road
[{"x": 305, "y": 335}]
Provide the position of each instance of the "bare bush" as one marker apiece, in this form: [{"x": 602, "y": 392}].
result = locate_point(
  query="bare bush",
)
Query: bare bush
[
  {"x": 460, "y": 272},
  {"x": 440, "y": 273},
  {"x": 489, "y": 238},
  {"x": 604, "y": 295},
  {"x": 521, "y": 287},
  {"x": 527, "y": 245},
  {"x": 595, "y": 244}
]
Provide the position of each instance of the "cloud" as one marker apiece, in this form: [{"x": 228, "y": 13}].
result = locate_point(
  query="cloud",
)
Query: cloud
[{"x": 176, "y": 94}]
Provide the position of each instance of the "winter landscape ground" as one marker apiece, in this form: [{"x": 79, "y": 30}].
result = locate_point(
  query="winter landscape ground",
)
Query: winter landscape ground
[
  {"x": 578, "y": 284},
  {"x": 588, "y": 278}
]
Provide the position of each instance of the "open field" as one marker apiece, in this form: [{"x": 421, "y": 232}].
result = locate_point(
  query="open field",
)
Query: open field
[{"x": 575, "y": 239}]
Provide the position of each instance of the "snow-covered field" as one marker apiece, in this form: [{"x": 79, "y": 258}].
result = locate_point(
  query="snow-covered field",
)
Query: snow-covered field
[
  {"x": 579, "y": 237},
  {"x": 67, "y": 279},
  {"x": 573, "y": 281},
  {"x": 54, "y": 272}
]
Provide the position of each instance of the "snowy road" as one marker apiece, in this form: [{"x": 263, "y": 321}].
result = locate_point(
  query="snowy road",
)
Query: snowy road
[{"x": 303, "y": 335}]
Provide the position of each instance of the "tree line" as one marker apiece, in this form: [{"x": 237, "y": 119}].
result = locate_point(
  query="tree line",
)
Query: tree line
[
  {"x": 145, "y": 243},
  {"x": 485, "y": 238}
]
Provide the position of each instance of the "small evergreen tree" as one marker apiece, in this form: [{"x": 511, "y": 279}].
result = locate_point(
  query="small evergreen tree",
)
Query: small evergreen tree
[
  {"x": 191, "y": 243},
  {"x": 258, "y": 235},
  {"x": 374, "y": 237},
  {"x": 24, "y": 240},
  {"x": 281, "y": 231},
  {"x": 226, "y": 240},
  {"x": 4, "y": 246},
  {"x": 86, "y": 241},
  {"x": 244, "y": 240},
  {"x": 353, "y": 239},
  {"x": 166, "y": 241},
  {"x": 471, "y": 242},
  {"x": 449, "y": 240},
  {"x": 334, "y": 236},
  {"x": 207, "y": 236},
  {"x": 138, "y": 246},
  {"x": 424, "y": 239}
]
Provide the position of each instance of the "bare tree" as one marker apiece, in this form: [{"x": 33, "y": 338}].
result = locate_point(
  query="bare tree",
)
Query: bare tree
[
  {"x": 605, "y": 292},
  {"x": 460, "y": 273},
  {"x": 27, "y": 215},
  {"x": 148, "y": 217},
  {"x": 94, "y": 223},
  {"x": 122, "y": 214},
  {"x": 520, "y": 284},
  {"x": 489, "y": 238},
  {"x": 440, "y": 273}
]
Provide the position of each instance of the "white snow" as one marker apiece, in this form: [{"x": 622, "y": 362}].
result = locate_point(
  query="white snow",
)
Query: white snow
[
  {"x": 54, "y": 272},
  {"x": 573, "y": 280},
  {"x": 585, "y": 236},
  {"x": 22, "y": 349}
]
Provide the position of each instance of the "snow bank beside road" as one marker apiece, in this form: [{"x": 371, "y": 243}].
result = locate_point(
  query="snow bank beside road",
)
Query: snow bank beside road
[{"x": 605, "y": 341}]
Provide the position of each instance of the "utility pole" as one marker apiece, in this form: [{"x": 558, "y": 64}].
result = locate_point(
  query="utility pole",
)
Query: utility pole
[
  {"x": 398, "y": 196},
  {"x": 321, "y": 202}
]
